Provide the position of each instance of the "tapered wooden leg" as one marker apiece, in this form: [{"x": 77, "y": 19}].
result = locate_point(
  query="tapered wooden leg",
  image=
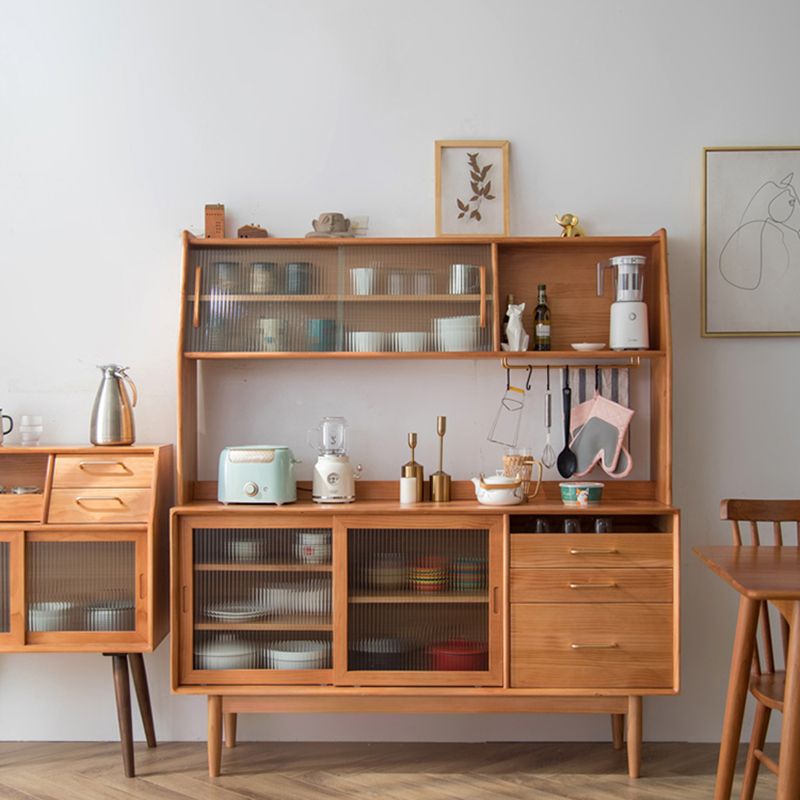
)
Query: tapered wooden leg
[
  {"x": 139, "y": 674},
  {"x": 757, "y": 738},
  {"x": 738, "y": 682},
  {"x": 122, "y": 691},
  {"x": 214, "y": 734},
  {"x": 634, "y": 735},
  {"x": 789, "y": 760},
  {"x": 618, "y": 730},
  {"x": 230, "y": 730}
]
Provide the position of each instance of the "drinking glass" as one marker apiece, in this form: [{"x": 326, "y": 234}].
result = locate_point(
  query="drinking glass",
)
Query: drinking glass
[{"x": 31, "y": 428}]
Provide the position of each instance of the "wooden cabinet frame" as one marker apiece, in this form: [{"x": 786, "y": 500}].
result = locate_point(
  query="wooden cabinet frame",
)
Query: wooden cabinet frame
[{"x": 14, "y": 638}]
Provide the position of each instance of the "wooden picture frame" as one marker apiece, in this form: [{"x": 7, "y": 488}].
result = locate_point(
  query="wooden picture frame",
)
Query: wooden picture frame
[
  {"x": 751, "y": 241},
  {"x": 472, "y": 187}
]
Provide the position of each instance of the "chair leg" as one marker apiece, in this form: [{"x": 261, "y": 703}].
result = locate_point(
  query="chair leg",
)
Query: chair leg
[
  {"x": 139, "y": 674},
  {"x": 634, "y": 735},
  {"x": 757, "y": 738},
  {"x": 214, "y": 734},
  {"x": 122, "y": 691},
  {"x": 230, "y": 730},
  {"x": 618, "y": 730}
]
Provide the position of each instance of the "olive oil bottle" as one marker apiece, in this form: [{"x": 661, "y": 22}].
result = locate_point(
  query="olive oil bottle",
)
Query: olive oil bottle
[{"x": 541, "y": 321}]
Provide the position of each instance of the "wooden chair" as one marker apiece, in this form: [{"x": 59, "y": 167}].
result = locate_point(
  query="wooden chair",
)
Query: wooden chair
[{"x": 766, "y": 682}]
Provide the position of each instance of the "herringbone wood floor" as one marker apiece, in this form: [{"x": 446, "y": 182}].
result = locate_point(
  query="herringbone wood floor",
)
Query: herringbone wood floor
[{"x": 306, "y": 771}]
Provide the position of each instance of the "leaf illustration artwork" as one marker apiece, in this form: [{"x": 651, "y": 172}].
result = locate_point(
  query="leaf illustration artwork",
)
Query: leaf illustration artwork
[{"x": 481, "y": 189}]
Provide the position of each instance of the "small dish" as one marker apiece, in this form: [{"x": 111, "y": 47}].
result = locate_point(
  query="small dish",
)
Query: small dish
[{"x": 586, "y": 347}]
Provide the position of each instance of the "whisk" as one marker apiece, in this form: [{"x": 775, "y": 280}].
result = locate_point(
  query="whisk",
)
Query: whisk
[{"x": 548, "y": 454}]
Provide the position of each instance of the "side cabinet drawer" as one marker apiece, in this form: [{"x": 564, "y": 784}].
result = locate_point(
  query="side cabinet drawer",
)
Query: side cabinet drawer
[
  {"x": 579, "y": 585},
  {"x": 582, "y": 646},
  {"x": 133, "y": 471},
  {"x": 99, "y": 505},
  {"x": 591, "y": 550}
]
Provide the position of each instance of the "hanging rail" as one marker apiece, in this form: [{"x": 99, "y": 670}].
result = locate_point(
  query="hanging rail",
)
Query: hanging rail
[{"x": 630, "y": 363}]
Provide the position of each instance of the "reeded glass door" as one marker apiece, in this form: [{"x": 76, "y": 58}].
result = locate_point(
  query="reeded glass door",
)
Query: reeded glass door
[
  {"x": 11, "y": 589},
  {"x": 256, "y": 604},
  {"x": 84, "y": 587},
  {"x": 423, "y": 603},
  {"x": 360, "y": 298}
]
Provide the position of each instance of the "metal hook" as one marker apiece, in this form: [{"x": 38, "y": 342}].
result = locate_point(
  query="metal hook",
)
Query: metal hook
[
  {"x": 508, "y": 378},
  {"x": 548, "y": 377},
  {"x": 530, "y": 375},
  {"x": 597, "y": 378}
]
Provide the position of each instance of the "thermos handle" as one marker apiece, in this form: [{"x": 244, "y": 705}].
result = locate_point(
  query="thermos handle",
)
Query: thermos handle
[{"x": 124, "y": 375}]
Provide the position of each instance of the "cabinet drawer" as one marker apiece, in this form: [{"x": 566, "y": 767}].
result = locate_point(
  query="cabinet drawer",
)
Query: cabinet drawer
[
  {"x": 21, "y": 507},
  {"x": 134, "y": 471},
  {"x": 99, "y": 505},
  {"x": 600, "y": 646},
  {"x": 591, "y": 550},
  {"x": 578, "y": 585}
]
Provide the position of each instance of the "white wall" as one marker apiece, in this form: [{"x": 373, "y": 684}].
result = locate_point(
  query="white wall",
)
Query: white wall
[{"x": 121, "y": 119}]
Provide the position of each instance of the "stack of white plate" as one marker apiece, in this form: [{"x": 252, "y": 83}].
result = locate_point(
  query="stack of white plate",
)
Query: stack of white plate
[
  {"x": 409, "y": 341},
  {"x": 235, "y": 612},
  {"x": 226, "y": 651},
  {"x": 456, "y": 334},
  {"x": 51, "y": 615},
  {"x": 296, "y": 598},
  {"x": 298, "y": 654},
  {"x": 117, "y": 617}
]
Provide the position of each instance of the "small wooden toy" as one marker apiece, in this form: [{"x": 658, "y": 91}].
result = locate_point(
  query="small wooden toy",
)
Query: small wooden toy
[
  {"x": 252, "y": 231},
  {"x": 215, "y": 221}
]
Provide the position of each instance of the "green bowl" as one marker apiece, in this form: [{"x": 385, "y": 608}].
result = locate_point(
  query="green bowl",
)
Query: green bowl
[{"x": 581, "y": 493}]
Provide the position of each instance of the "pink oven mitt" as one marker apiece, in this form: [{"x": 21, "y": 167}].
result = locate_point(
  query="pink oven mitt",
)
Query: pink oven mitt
[{"x": 598, "y": 428}]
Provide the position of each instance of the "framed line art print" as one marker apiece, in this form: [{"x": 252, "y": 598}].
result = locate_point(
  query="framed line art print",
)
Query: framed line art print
[
  {"x": 471, "y": 187},
  {"x": 751, "y": 242}
]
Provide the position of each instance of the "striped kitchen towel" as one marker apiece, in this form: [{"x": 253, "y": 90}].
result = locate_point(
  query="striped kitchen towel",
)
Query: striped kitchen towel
[{"x": 614, "y": 384}]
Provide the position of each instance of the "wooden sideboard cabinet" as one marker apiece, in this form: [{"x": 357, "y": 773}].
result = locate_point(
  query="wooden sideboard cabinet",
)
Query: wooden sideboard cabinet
[
  {"x": 454, "y": 608},
  {"x": 84, "y": 559}
]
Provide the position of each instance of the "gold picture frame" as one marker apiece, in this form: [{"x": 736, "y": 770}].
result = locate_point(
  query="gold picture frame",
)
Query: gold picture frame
[
  {"x": 471, "y": 193},
  {"x": 750, "y": 277}
]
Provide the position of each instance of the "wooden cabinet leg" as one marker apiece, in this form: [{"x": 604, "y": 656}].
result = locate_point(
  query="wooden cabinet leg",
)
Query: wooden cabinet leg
[
  {"x": 617, "y": 730},
  {"x": 139, "y": 674},
  {"x": 230, "y": 730},
  {"x": 634, "y": 735},
  {"x": 122, "y": 691},
  {"x": 214, "y": 734}
]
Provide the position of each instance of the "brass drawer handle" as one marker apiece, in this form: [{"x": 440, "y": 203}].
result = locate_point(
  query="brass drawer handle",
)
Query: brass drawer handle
[
  {"x": 581, "y": 646},
  {"x": 593, "y": 551},
  {"x": 110, "y": 499},
  {"x": 609, "y": 585},
  {"x": 84, "y": 465}
]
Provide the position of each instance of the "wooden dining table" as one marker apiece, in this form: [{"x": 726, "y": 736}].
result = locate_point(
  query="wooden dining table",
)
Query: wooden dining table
[{"x": 758, "y": 574}]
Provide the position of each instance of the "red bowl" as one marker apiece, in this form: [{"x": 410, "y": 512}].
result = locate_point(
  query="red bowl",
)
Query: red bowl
[{"x": 460, "y": 655}]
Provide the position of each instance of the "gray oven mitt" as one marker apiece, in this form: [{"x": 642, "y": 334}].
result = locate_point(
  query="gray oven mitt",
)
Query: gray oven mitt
[{"x": 598, "y": 429}]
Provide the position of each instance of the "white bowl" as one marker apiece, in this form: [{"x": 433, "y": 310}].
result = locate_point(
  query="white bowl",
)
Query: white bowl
[
  {"x": 54, "y": 615},
  {"x": 367, "y": 341},
  {"x": 297, "y": 654},
  {"x": 586, "y": 347},
  {"x": 409, "y": 341},
  {"x": 226, "y": 653}
]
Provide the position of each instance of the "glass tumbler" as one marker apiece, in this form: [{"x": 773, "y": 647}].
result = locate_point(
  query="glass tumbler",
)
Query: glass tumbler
[{"x": 31, "y": 427}]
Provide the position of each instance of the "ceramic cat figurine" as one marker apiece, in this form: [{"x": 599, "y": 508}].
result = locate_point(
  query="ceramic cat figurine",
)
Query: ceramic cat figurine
[{"x": 515, "y": 333}]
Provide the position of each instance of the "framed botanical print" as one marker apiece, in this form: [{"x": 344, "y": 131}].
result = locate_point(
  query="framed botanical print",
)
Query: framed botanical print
[
  {"x": 751, "y": 242},
  {"x": 472, "y": 188}
]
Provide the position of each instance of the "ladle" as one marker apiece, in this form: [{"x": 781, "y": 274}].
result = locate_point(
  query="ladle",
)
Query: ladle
[{"x": 567, "y": 461}]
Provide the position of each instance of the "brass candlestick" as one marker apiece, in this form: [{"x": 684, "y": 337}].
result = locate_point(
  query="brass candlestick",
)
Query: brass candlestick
[
  {"x": 414, "y": 470},
  {"x": 440, "y": 480}
]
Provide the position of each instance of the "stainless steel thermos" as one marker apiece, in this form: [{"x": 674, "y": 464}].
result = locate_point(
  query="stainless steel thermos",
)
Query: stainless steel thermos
[{"x": 112, "y": 414}]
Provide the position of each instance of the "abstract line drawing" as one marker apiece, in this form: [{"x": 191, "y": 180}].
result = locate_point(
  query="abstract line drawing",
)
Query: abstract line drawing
[
  {"x": 751, "y": 233},
  {"x": 759, "y": 242}
]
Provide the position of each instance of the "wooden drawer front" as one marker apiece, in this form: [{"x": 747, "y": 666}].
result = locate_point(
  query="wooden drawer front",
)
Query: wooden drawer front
[
  {"x": 21, "y": 507},
  {"x": 591, "y": 550},
  {"x": 641, "y": 585},
  {"x": 99, "y": 505},
  {"x": 583, "y": 646},
  {"x": 134, "y": 471}
]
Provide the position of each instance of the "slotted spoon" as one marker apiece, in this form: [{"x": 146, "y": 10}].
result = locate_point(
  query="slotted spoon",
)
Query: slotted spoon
[{"x": 548, "y": 454}]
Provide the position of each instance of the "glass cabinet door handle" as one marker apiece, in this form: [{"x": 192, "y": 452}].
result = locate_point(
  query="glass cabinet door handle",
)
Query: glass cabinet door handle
[
  {"x": 583, "y": 646},
  {"x": 483, "y": 296},
  {"x": 142, "y": 586},
  {"x": 196, "y": 310},
  {"x": 495, "y": 599}
]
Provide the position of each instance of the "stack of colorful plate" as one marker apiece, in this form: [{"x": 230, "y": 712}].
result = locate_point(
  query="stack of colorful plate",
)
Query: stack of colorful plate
[
  {"x": 469, "y": 574},
  {"x": 428, "y": 574}
]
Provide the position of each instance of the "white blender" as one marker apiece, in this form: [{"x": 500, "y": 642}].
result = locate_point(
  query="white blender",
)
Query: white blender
[
  {"x": 628, "y": 327},
  {"x": 334, "y": 476}
]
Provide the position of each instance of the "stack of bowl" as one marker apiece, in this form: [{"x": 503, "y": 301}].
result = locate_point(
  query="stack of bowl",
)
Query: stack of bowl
[
  {"x": 469, "y": 574},
  {"x": 429, "y": 574}
]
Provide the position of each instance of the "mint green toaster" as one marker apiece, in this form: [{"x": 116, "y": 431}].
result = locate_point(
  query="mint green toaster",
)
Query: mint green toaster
[{"x": 260, "y": 473}]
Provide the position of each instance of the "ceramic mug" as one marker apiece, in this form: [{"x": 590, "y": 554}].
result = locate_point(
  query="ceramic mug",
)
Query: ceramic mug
[
  {"x": 363, "y": 280},
  {"x": 321, "y": 334},
  {"x": 272, "y": 335},
  {"x": 4, "y": 432},
  {"x": 298, "y": 277}
]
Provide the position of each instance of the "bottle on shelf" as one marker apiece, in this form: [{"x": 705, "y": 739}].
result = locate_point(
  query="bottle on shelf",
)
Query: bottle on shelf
[
  {"x": 541, "y": 321},
  {"x": 503, "y": 332}
]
